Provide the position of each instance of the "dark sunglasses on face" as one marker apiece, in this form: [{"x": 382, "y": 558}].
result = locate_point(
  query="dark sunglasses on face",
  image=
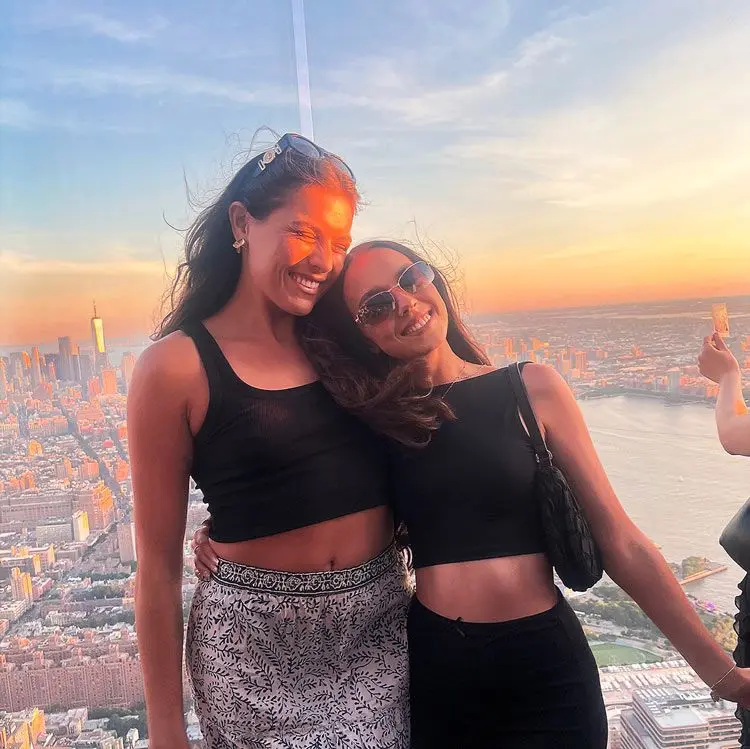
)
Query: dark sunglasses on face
[
  {"x": 302, "y": 146},
  {"x": 379, "y": 306}
]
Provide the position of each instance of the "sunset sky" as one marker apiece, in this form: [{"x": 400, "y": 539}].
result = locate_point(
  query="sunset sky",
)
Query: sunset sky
[{"x": 567, "y": 153}]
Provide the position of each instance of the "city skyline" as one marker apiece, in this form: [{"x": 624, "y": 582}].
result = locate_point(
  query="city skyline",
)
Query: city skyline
[
  {"x": 137, "y": 339},
  {"x": 568, "y": 155}
]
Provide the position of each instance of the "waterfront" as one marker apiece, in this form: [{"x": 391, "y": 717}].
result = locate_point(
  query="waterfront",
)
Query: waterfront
[{"x": 674, "y": 479}]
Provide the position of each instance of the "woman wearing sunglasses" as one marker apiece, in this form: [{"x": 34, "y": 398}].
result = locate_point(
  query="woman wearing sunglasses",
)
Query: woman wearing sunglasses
[
  {"x": 497, "y": 657},
  {"x": 298, "y": 640}
]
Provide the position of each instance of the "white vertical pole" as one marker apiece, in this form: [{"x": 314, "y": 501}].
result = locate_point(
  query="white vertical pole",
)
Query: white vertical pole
[{"x": 303, "y": 69}]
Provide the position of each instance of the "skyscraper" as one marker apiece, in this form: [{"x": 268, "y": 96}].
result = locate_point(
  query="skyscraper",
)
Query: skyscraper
[
  {"x": 126, "y": 542},
  {"x": 96, "y": 501},
  {"x": 93, "y": 387},
  {"x": 86, "y": 368},
  {"x": 17, "y": 365},
  {"x": 127, "y": 365},
  {"x": 80, "y": 522},
  {"x": 75, "y": 364},
  {"x": 36, "y": 368},
  {"x": 65, "y": 371},
  {"x": 97, "y": 338},
  {"x": 51, "y": 365},
  {"x": 3, "y": 380},
  {"x": 21, "y": 585},
  {"x": 109, "y": 381}
]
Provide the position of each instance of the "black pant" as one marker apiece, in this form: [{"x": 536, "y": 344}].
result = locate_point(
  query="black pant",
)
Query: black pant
[
  {"x": 530, "y": 683},
  {"x": 742, "y": 651}
]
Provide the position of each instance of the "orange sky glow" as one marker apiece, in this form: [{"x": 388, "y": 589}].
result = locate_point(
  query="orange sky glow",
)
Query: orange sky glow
[{"x": 41, "y": 307}]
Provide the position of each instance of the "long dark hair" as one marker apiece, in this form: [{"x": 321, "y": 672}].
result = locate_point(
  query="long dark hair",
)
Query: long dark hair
[
  {"x": 207, "y": 277},
  {"x": 393, "y": 397}
]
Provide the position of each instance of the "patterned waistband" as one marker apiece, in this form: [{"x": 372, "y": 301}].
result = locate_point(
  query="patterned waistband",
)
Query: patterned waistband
[{"x": 306, "y": 583}]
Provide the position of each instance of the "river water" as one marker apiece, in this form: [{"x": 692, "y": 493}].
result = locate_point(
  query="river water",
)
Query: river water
[{"x": 674, "y": 479}]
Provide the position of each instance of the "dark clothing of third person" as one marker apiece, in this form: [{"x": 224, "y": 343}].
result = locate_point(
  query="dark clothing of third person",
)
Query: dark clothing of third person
[{"x": 742, "y": 651}]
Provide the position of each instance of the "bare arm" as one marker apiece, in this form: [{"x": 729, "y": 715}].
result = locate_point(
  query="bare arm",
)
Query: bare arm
[
  {"x": 160, "y": 451},
  {"x": 732, "y": 418},
  {"x": 630, "y": 559},
  {"x": 717, "y": 363}
]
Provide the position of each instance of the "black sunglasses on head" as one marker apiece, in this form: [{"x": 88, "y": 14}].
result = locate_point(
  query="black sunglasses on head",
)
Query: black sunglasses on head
[
  {"x": 378, "y": 307},
  {"x": 302, "y": 146}
]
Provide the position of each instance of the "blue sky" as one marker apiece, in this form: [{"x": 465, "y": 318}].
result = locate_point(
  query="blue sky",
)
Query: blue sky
[{"x": 531, "y": 137}]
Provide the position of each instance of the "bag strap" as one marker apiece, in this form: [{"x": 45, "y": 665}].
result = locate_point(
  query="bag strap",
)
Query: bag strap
[{"x": 543, "y": 455}]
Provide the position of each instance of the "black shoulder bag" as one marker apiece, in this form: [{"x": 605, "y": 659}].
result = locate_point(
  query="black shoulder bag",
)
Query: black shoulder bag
[
  {"x": 570, "y": 545},
  {"x": 736, "y": 537}
]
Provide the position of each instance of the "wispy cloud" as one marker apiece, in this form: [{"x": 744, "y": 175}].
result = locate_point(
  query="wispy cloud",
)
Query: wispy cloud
[
  {"x": 28, "y": 265},
  {"x": 452, "y": 26},
  {"x": 17, "y": 114},
  {"x": 56, "y": 16},
  {"x": 577, "y": 252},
  {"x": 540, "y": 46},
  {"x": 409, "y": 88},
  {"x": 389, "y": 88},
  {"x": 117, "y": 30},
  {"x": 412, "y": 104},
  {"x": 674, "y": 127},
  {"x": 137, "y": 81}
]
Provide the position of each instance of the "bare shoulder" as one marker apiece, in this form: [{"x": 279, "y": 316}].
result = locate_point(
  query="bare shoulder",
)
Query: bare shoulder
[
  {"x": 169, "y": 369},
  {"x": 544, "y": 383},
  {"x": 173, "y": 356}
]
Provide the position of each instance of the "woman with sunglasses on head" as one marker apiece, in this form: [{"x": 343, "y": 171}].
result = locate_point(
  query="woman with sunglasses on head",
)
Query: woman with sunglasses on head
[
  {"x": 298, "y": 640},
  {"x": 497, "y": 657}
]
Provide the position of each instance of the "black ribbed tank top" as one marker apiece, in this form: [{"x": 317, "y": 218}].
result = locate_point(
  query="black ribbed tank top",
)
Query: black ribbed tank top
[
  {"x": 469, "y": 494},
  {"x": 269, "y": 461}
]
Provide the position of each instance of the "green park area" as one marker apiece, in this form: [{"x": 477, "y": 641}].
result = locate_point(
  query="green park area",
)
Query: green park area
[{"x": 609, "y": 654}]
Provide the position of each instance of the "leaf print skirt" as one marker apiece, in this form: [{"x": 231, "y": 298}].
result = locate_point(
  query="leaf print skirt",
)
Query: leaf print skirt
[{"x": 314, "y": 660}]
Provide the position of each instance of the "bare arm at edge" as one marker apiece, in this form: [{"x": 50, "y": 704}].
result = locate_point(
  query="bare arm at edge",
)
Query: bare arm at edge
[
  {"x": 160, "y": 452},
  {"x": 718, "y": 364},
  {"x": 732, "y": 417}
]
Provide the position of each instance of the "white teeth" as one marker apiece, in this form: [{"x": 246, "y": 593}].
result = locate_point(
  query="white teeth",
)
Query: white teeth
[
  {"x": 308, "y": 284},
  {"x": 419, "y": 324}
]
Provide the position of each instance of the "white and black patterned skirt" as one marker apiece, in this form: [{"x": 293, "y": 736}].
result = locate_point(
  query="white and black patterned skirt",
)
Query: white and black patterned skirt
[{"x": 302, "y": 661}]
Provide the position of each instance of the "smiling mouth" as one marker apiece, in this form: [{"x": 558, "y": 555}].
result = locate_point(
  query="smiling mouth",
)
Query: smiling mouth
[
  {"x": 305, "y": 283},
  {"x": 418, "y": 325}
]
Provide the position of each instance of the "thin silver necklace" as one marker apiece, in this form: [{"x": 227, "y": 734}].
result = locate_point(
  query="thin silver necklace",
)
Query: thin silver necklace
[{"x": 460, "y": 375}]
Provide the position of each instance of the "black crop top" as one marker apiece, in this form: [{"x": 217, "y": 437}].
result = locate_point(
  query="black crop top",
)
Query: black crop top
[
  {"x": 469, "y": 494},
  {"x": 269, "y": 461}
]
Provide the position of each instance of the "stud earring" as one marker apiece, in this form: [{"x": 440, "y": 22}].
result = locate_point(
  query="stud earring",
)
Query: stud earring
[{"x": 238, "y": 245}]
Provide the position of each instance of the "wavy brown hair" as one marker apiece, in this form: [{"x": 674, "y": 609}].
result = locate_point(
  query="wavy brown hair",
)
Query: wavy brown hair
[
  {"x": 393, "y": 397},
  {"x": 207, "y": 277}
]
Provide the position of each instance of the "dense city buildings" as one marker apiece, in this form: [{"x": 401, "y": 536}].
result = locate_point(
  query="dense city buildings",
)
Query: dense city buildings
[
  {"x": 79, "y": 728},
  {"x": 642, "y": 350},
  {"x": 673, "y": 718},
  {"x": 664, "y": 704}
]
